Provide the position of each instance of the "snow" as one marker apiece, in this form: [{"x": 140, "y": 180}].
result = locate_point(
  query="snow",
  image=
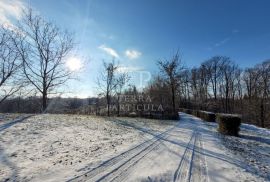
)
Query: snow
[
  {"x": 55, "y": 147},
  {"x": 86, "y": 148},
  {"x": 207, "y": 112},
  {"x": 229, "y": 115},
  {"x": 263, "y": 131}
]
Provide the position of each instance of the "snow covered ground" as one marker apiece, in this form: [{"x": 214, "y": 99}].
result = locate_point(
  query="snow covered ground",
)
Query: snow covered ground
[{"x": 86, "y": 148}]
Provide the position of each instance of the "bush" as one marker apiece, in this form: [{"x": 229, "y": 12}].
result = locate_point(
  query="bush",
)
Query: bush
[
  {"x": 229, "y": 124},
  {"x": 181, "y": 109},
  {"x": 207, "y": 116},
  {"x": 188, "y": 111},
  {"x": 162, "y": 116},
  {"x": 195, "y": 113},
  {"x": 172, "y": 116}
]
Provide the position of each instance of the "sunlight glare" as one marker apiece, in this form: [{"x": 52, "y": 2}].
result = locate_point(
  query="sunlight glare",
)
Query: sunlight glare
[{"x": 74, "y": 64}]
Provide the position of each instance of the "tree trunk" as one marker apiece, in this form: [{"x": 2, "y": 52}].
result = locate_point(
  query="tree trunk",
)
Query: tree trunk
[
  {"x": 118, "y": 105},
  {"x": 173, "y": 98},
  {"x": 108, "y": 104},
  {"x": 44, "y": 101},
  {"x": 262, "y": 113}
]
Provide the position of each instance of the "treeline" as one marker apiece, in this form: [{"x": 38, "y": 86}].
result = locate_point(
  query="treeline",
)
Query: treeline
[
  {"x": 57, "y": 105},
  {"x": 217, "y": 85}
]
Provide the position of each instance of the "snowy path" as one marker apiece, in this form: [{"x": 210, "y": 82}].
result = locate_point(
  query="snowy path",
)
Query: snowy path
[{"x": 188, "y": 151}]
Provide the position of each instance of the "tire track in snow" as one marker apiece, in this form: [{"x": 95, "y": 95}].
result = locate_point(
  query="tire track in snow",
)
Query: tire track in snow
[
  {"x": 124, "y": 160},
  {"x": 183, "y": 172},
  {"x": 122, "y": 172},
  {"x": 199, "y": 172}
]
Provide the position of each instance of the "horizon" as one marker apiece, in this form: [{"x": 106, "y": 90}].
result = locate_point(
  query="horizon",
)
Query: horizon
[{"x": 137, "y": 34}]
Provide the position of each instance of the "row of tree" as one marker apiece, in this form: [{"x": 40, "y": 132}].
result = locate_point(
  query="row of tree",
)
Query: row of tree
[{"x": 217, "y": 85}]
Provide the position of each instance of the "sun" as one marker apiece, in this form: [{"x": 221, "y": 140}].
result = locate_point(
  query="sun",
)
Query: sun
[{"x": 74, "y": 64}]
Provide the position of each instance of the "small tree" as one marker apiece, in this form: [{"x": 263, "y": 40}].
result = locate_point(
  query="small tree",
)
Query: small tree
[
  {"x": 122, "y": 80},
  {"x": 107, "y": 82}
]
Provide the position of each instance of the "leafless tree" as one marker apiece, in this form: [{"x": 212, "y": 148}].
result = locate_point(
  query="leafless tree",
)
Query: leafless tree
[
  {"x": 107, "y": 82},
  {"x": 228, "y": 72},
  {"x": 122, "y": 80},
  {"x": 213, "y": 67},
  {"x": 10, "y": 64},
  {"x": 203, "y": 86},
  {"x": 157, "y": 88},
  {"x": 264, "y": 88},
  {"x": 250, "y": 79},
  {"x": 194, "y": 82},
  {"x": 43, "y": 47},
  {"x": 171, "y": 70}
]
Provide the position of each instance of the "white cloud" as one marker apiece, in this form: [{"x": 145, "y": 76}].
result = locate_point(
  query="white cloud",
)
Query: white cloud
[
  {"x": 10, "y": 9},
  {"x": 109, "y": 51},
  {"x": 129, "y": 69},
  {"x": 133, "y": 54}
]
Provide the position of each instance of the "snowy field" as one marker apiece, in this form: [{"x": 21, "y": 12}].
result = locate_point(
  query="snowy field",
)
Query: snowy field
[{"x": 87, "y": 148}]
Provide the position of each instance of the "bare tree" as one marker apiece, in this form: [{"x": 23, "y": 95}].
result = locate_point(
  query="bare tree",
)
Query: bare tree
[
  {"x": 250, "y": 79},
  {"x": 213, "y": 67},
  {"x": 107, "y": 82},
  {"x": 264, "y": 88},
  {"x": 10, "y": 80},
  {"x": 42, "y": 46},
  {"x": 171, "y": 70},
  {"x": 203, "y": 86},
  {"x": 228, "y": 69},
  {"x": 122, "y": 80}
]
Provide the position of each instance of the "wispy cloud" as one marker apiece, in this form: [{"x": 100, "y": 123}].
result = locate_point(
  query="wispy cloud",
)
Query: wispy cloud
[
  {"x": 10, "y": 9},
  {"x": 224, "y": 41},
  {"x": 129, "y": 69},
  {"x": 108, "y": 50},
  {"x": 132, "y": 54}
]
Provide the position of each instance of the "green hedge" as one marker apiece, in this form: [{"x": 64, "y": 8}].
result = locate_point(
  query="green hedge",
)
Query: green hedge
[
  {"x": 229, "y": 124},
  {"x": 163, "y": 116},
  {"x": 195, "y": 112},
  {"x": 207, "y": 116},
  {"x": 188, "y": 111}
]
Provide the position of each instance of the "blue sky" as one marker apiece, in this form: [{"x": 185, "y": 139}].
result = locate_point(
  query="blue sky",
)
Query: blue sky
[{"x": 140, "y": 32}]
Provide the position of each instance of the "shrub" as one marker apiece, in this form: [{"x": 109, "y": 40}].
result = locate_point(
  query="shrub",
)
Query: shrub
[
  {"x": 172, "y": 116},
  {"x": 188, "y": 111},
  {"x": 229, "y": 124},
  {"x": 163, "y": 116},
  {"x": 207, "y": 116},
  {"x": 181, "y": 109},
  {"x": 195, "y": 112}
]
